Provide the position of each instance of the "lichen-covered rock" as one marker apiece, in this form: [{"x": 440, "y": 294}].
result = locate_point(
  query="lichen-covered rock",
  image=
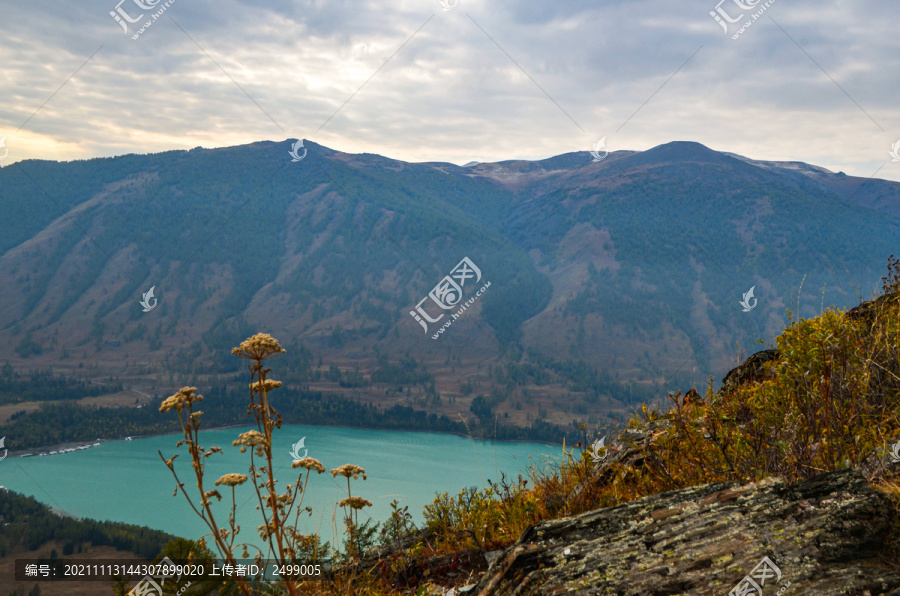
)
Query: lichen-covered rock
[
  {"x": 825, "y": 535},
  {"x": 867, "y": 310},
  {"x": 748, "y": 371}
]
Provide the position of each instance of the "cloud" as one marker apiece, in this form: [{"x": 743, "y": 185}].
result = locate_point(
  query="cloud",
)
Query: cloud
[{"x": 484, "y": 81}]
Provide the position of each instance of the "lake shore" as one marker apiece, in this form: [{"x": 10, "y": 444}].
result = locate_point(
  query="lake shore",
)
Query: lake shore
[{"x": 46, "y": 449}]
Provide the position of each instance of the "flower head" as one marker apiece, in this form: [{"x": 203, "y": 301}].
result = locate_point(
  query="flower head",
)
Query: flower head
[
  {"x": 355, "y": 502},
  {"x": 258, "y": 347},
  {"x": 348, "y": 470},
  {"x": 232, "y": 479},
  {"x": 268, "y": 385},
  {"x": 251, "y": 438},
  {"x": 184, "y": 397},
  {"x": 309, "y": 463}
]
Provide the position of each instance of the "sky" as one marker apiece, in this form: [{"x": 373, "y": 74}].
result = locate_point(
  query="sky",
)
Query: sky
[{"x": 466, "y": 80}]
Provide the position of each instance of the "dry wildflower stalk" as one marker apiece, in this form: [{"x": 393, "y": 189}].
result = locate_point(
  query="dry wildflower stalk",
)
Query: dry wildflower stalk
[
  {"x": 285, "y": 544},
  {"x": 183, "y": 404},
  {"x": 351, "y": 506}
]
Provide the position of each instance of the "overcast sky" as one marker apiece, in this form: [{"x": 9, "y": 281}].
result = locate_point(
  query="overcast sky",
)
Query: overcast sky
[{"x": 486, "y": 80}]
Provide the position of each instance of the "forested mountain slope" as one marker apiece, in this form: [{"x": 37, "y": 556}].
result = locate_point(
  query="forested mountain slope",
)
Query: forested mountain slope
[{"x": 608, "y": 278}]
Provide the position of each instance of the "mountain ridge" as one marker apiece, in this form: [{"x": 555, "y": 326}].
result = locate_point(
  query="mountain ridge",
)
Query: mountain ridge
[{"x": 633, "y": 265}]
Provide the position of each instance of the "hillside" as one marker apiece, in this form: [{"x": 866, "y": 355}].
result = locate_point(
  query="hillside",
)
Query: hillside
[
  {"x": 31, "y": 530},
  {"x": 609, "y": 280},
  {"x": 785, "y": 480}
]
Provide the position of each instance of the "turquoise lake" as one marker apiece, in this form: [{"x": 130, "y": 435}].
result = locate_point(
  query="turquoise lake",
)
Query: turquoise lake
[{"x": 126, "y": 481}]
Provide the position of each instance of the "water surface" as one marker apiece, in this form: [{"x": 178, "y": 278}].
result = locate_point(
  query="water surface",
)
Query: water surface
[{"x": 126, "y": 481}]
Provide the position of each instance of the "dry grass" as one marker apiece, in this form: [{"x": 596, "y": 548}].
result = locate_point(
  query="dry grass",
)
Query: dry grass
[{"x": 830, "y": 401}]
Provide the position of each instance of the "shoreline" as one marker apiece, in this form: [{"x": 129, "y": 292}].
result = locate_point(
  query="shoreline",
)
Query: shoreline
[{"x": 35, "y": 451}]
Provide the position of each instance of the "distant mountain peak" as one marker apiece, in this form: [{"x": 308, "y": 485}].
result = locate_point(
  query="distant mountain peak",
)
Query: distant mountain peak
[{"x": 680, "y": 152}]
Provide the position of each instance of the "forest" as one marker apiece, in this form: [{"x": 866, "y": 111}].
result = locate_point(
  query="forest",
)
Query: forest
[
  {"x": 45, "y": 385},
  {"x": 27, "y": 524},
  {"x": 226, "y": 406}
]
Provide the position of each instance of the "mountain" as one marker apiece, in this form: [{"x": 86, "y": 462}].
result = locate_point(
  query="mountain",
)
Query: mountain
[{"x": 609, "y": 280}]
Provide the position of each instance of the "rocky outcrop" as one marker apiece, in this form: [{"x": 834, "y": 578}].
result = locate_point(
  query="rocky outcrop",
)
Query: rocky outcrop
[
  {"x": 867, "y": 310},
  {"x": 822, "y": 536},
  {"x": 751, "y": 370}
]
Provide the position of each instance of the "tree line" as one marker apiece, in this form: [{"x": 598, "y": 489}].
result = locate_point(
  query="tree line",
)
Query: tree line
[
  {"x": 27, "y": 524},
  {"x": 225, "y": 406},
  {"x": 45, "y": 385}
]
